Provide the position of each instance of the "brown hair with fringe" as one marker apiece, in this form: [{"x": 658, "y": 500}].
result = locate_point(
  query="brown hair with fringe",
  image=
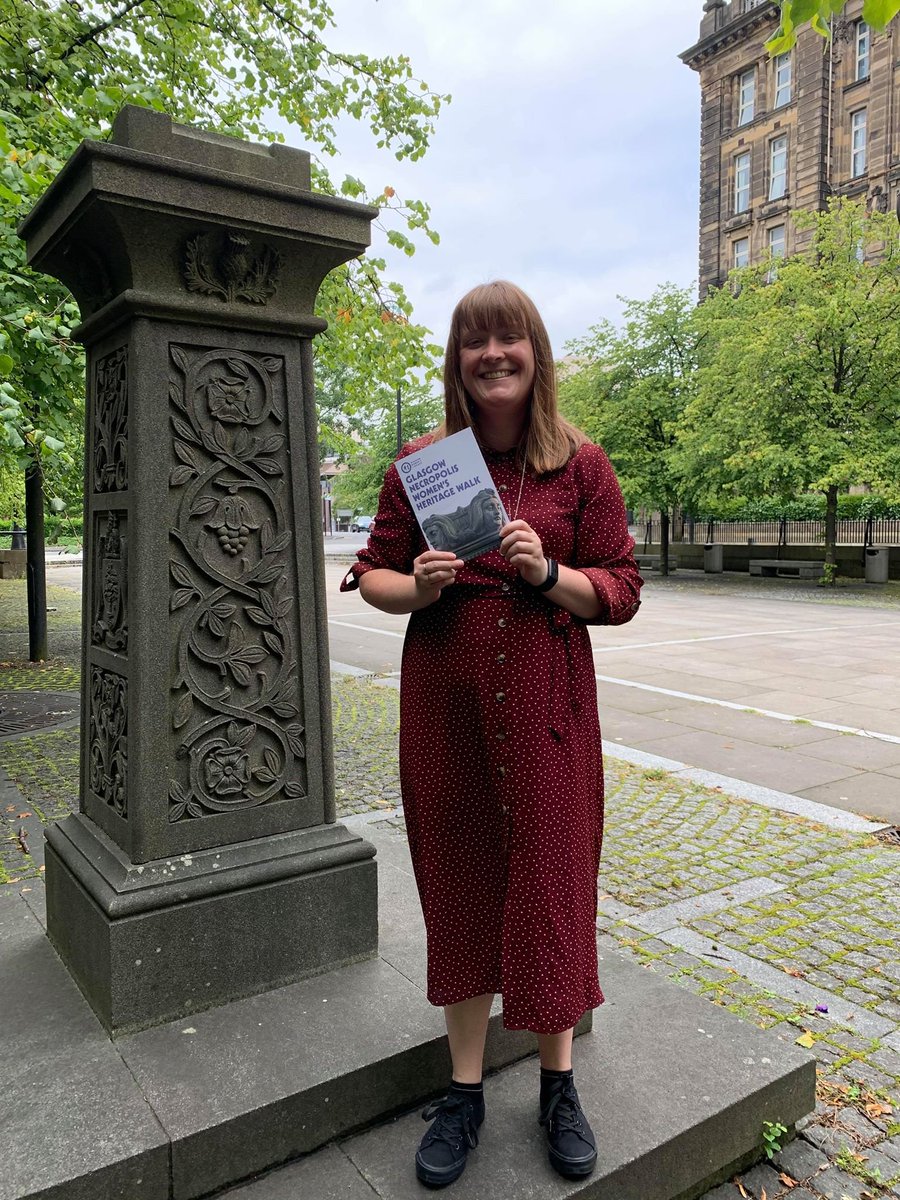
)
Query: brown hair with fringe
[{"x": 551, "y": 440}]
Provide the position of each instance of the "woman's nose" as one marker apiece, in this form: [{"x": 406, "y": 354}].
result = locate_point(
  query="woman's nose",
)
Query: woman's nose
[{"x": 493, "y": 348}]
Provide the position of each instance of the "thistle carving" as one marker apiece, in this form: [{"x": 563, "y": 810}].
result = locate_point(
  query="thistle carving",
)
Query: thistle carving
[
  {"x": 108, "y": 746},
  {"x": 236, "y": 697},
  {"x": 110, "y": 625},
  {"x": 111, "y": 422},
  {"x": 228, "y": 268}
]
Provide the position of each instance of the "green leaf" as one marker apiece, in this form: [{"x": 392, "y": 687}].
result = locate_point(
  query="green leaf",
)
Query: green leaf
[{"x": 880, "y": 12}]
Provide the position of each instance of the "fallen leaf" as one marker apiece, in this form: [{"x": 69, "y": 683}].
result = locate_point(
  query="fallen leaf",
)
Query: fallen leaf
[
  {"x": 876, "y": 1109},
  {"x": 743, "y": 1190},
  {"x": 19, "y": 816},
  {"x": 806, "y": 1039},
  {"x": 787, "y": 1181},
  {"x": 762, "y": 1195},
  {"x": 792, "y": 971}
]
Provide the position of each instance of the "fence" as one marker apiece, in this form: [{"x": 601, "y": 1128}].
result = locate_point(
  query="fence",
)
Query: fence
[{"x": 863, "y": 531}]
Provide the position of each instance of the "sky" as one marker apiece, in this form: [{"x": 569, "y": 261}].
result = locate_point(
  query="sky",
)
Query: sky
[{"x": 568, "y": 160}]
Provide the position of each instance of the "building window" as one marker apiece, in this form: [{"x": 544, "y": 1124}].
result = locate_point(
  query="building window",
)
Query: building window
[
  {"x": 778, "y": 167},
  {"x": 858, "y": 143},
  {"x": 783, "y": 80},
  {"x": 741, "y": 249},
  {"x": 776, "y": 250},
  {"x": 863, "y": 48},
  {"x": 742, "y": 182},
  {"x": 746, "y": 96}
]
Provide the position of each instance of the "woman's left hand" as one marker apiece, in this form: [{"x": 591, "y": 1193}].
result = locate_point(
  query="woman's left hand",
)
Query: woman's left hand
[{"x": 522, "y": 547}]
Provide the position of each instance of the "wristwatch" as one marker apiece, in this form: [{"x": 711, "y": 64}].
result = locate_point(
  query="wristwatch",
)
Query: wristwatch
[{"x": 552, "y": 577}]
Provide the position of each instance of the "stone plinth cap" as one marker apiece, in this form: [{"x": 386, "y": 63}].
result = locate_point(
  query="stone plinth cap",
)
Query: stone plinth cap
[{"x": 156, "y": 133}]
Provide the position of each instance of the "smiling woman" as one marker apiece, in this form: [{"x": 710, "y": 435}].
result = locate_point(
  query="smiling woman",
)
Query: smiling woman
[{"x": 500, "y": 761}]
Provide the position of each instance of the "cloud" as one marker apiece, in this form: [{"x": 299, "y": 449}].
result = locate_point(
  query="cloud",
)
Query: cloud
[{"x": 567, "y": 161}]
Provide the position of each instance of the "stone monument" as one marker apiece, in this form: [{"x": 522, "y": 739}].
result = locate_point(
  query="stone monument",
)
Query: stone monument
[{"x": 205, "y": 863}]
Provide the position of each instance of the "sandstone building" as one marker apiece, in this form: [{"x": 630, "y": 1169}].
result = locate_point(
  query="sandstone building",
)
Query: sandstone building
[{"x": 784, "y": 133}]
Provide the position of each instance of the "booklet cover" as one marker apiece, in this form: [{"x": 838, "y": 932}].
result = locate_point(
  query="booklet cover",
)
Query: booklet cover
[{"x": 453, "y": 496}]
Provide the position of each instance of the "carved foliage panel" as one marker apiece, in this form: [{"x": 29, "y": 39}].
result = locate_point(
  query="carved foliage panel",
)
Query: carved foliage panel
[
  {"x": 108, "y": 739},
  {"x": 109, "y": 602},
  {"x": 110, "y": 425},
  {"x": 236, "y": 697}
]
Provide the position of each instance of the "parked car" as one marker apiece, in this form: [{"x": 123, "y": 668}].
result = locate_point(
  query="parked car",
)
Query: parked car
[{"x": 362, "y": 524}]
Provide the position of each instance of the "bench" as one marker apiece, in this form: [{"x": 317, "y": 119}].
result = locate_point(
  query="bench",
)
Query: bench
[
  {"x": 651, "y": 562},
  {"x": 786, "y": 568}
]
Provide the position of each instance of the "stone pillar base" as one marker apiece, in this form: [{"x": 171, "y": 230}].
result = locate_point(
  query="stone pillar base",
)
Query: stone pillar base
[{"x": 159, "y": 941}]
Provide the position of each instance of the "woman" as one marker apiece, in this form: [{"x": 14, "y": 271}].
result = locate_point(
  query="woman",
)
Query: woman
[{"x": 500, "y": 761}]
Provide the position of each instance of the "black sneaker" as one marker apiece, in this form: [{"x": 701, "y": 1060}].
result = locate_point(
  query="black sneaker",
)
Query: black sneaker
[
  {"x": 570, "y": 1139},
  {"x": 441, "y": 1156}
]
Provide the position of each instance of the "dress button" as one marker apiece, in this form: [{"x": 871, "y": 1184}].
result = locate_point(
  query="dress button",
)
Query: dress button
[
  {"x": 505, "y": 810},
  {"x": 502, "y": 623},
  {"x": 504, "y": 587},
  {"x": 503, "y": 487},
  {"x": 501, "y": 696},
  {"x": 500, "y": 735},
  {"x": 502, "y": 771},
  {"x": 501, "y": 658}
]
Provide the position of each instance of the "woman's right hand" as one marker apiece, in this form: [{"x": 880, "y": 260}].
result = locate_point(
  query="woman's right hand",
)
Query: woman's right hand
[{"x": 434, "y": 570}]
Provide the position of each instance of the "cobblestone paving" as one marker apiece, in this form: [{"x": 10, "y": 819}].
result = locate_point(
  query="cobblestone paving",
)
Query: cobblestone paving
[{"x": 809, "y": 913}]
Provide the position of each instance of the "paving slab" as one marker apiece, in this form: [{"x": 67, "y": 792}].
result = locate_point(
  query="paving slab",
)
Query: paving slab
[
  {"x": 75, "y": 1124},
  {"x": 634, "y": 729},
  {"x": 861, "y": 716},
  {"x": 327, "y": 1175},
  {"x": 748, "y": 726},
  {"x": 854, "y": 750},
  {"x": 874, "y": 793},
  {"x": 786, "y": 770}
]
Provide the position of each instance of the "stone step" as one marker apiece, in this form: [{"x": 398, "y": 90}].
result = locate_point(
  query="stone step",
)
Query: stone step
[
  {"x": 677, "y": 1091},
  {"x": 677, "y": 1088}
]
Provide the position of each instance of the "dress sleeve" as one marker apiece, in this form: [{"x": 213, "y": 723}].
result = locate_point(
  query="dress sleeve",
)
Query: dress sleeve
[
  {"x": 395, "y": 539},
  {"x": 603, "y": 546}
]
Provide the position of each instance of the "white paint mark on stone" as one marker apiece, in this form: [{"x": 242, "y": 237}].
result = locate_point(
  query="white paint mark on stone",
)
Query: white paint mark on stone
[{"x": 760, "y": 712}]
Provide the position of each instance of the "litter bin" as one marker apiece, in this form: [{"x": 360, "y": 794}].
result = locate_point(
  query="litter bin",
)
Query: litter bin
[
  {"x": 878, "y": 559},
  {"x": 712, "y": 559}
]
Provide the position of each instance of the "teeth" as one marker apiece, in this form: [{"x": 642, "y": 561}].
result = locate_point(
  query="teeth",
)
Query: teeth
[{"x": 496, "y": 374}]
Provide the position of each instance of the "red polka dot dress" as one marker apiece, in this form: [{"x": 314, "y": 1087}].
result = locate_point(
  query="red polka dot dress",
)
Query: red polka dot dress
[{"x": 500, "y": 760}]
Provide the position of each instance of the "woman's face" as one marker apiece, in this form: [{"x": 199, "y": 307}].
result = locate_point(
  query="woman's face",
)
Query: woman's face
[{"x": 497, "y": 369}]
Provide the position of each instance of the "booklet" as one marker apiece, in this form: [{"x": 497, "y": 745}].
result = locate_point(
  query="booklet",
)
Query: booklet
[{"x": 453, "y": 496}]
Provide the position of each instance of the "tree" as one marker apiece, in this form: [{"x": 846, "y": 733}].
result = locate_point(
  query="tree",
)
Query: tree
[
  {"x": 820, "y": 14},
  {"x": 800, "y": 389},
  {"x": 630, "y": 391},
  {"x": 358, "y": 488},
  {"x": 228, "y": 65}
]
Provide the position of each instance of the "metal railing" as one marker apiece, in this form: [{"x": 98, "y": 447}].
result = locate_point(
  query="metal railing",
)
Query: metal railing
[{"x": 861, "y": 531}]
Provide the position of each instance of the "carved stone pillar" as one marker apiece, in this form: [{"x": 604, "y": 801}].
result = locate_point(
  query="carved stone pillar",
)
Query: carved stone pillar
[{"x": 204, "y": 863}]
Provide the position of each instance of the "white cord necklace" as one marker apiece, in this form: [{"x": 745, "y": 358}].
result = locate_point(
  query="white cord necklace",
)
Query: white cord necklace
[{"x": 521, "y": 485}]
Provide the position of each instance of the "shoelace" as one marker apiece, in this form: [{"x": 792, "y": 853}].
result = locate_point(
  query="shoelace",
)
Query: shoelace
[
  {"x": 564, "y": 1110},
  {"x": 453, "y": 1121}
]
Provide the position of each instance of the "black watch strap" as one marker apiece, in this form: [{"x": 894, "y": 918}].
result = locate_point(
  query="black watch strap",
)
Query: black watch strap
[{"x": 552, "y": 577}]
